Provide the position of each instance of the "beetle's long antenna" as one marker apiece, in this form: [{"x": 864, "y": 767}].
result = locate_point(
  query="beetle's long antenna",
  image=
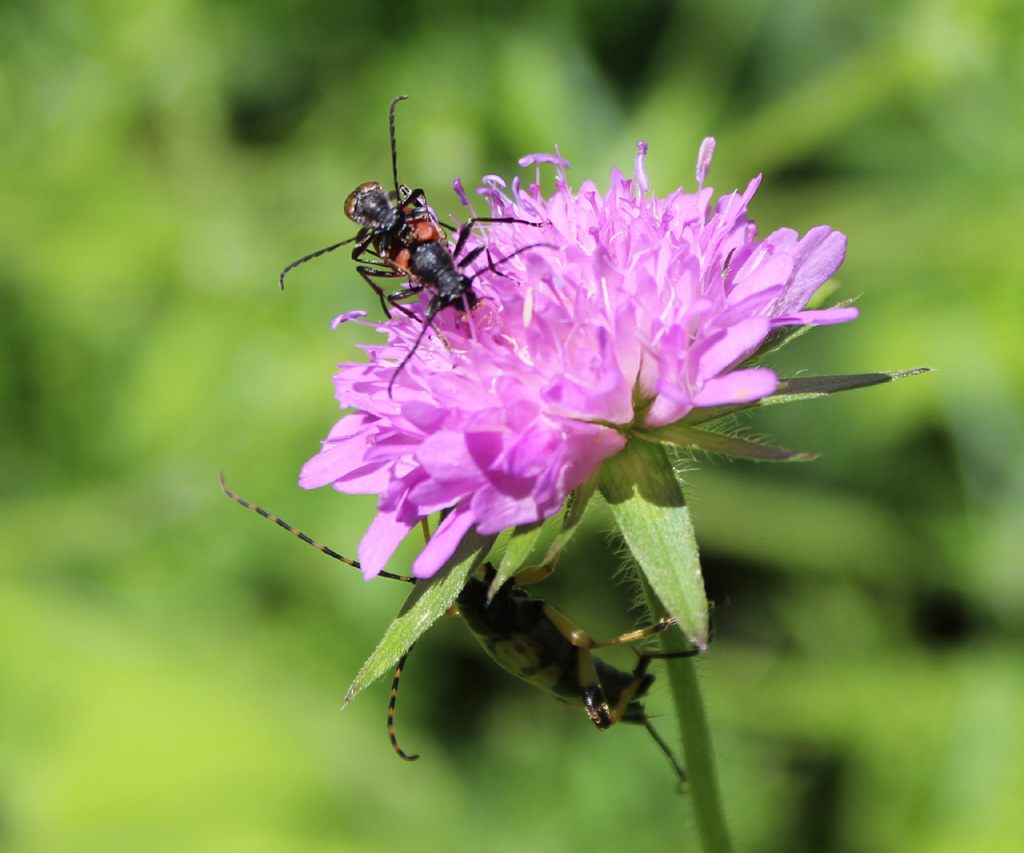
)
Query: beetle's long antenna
[
  {"x": 296, "y": 532},
  {"x": 391, "y": 710},
  {"x": 394, "y": 147},
  {"x": 310, "y": 257}
]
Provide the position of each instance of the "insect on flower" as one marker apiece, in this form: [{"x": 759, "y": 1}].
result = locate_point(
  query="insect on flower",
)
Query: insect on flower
[
  {"x": 382, "y": 215},
  {"x": 388, "y": 220},
  {"x": 537, "y": 643},
  {"x": 401, "y": 238},
  {"x": 433, "y": 266},
  {"x": 652, "y": 310}
]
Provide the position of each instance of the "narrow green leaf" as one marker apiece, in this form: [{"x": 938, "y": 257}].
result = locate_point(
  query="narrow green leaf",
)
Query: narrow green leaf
[
  {"x": 803, "y": 388},
  {"x": 806, "y": 387},
  {"x": 780, "y": 337},
  {"x": 679, "y": 435},
  {"x": 568, "y": 518},
  {"x": 644, "y": 495},
  {"x": 713, "y": 413},
  {"x": 575, "y": 509},
  {"x": 520, "y": 546},
  {"x": 774, "y": 342},
  {"x": 426, "y": 604}
]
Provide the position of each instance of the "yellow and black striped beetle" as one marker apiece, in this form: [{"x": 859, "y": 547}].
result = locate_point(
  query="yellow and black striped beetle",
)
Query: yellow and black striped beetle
[{"x": 537, "y": 643}]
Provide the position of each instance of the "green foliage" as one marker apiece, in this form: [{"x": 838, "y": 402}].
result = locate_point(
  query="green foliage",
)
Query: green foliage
[
  {"x": 171, "y": 667},
  {"x": 647, "y": 502},
  {"x": 427, "y": 603}
]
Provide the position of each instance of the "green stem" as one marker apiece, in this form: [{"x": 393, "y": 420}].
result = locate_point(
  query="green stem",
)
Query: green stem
[{"x": 698, "y": 755}]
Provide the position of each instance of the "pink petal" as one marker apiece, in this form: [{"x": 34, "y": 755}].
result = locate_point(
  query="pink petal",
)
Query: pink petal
[
  {"x": 816, "y": 258},
  {"x": 740, "y": 386},
  {"x": 822, "y": 317},
  {"x": 443, "y": 543},
  {"x": 382, "y": 537}
]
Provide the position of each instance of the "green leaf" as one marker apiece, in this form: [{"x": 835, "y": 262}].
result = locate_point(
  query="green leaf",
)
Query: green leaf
[
  {"x": 426, "y": 604},
  {"x": 679, "y": 435},
  {"x": 647, "y": 501}
]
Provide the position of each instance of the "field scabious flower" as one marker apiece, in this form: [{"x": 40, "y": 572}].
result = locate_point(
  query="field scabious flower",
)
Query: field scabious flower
[{"x": 630, "y": 313}]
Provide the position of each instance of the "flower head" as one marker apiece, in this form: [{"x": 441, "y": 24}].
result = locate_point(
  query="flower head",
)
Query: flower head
[{"x": 630, "y": 312}]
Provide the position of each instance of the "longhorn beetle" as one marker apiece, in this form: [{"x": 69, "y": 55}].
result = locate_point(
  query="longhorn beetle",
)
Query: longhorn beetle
[
  {"x": 387, "y": 220},
  {"x": 537, "y": 643},
  {"x": 432, "y": 266},
  {"x": 400, "y": 238},
  {"x": 394, "y": 226}
]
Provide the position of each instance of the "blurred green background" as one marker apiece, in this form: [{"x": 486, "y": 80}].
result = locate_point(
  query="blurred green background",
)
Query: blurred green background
[{"x": 171, "y": 667}]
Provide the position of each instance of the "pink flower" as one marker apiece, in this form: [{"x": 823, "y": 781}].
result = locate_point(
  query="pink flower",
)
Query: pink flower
[{"x": 631, "y": 311}]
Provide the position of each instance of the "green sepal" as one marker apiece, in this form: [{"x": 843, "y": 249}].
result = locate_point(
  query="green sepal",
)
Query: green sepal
[
  {"x": 802, "y": 388},
  {"x": 520, "y": 547},
  {"x": 427, "y": 603},
  {"x": 775, "y": 341},
  {"x": 809, "y": 387},
  {"x": 782, "y": 336},
  {"x": 575, "y": 508},
  {"x": 679, "y": 435},
  {"x": 647, "y": 501}
]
